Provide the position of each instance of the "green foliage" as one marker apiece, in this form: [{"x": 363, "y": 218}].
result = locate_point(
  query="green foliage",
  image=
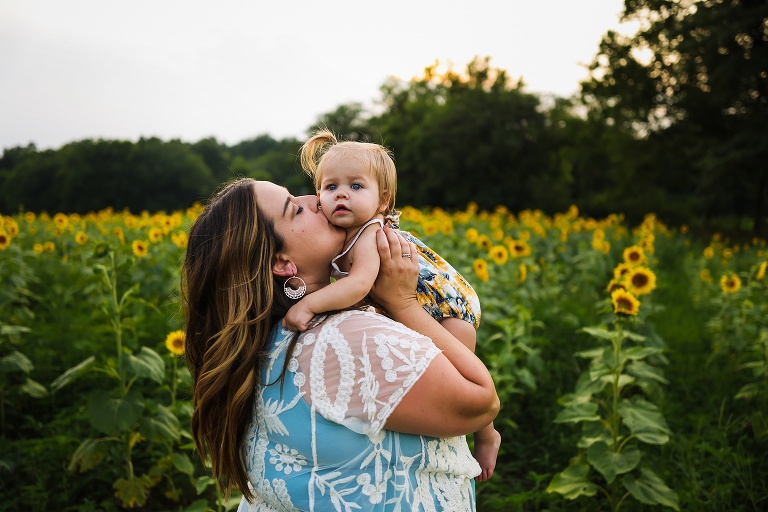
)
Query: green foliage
[{"x": 691, "y": 85}]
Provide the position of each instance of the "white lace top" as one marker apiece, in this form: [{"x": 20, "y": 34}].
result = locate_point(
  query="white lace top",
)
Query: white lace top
[{"x": 318, "y": 442}]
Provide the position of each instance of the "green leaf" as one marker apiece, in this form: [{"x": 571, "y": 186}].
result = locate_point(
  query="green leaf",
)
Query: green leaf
[
  {"x": 203, "y": 483},
  {"x": 650, "y": 489},
  {"x": 586, "y": 386},
  {"x": 577, "y": 412},
  {"x": 593, "y": 432},
  {"x": 750, "y": 390},
  {"x": 183, "y": 463},
  {"x": 610, "y": 360},
  {"x": 127, "y": 294},
  {"x": 591, "y": 353},
  {"x": 33, "y": 389},
  {"x": 598, "y": 370},
  {"x": 163, "y": 426},
  {"x": 133, "y": 491},
  {"x": 573, "y": 481},
  {"x": 16, "y": 362},
  {"x": 642, "y": 370},
  {"x": 113, "y": 415},
  {"x": 71, "y": 374},
  {"x": 198, "y": 506},
  {"x": 585, "y": 389},
  {"x": 636, "y": 353},
  {"x": 644, "y": 420},
  {"x": 12, "y": 330},
  {"x": 88, "y": 454},
  {"x": 610, "y": 463},
  {"x": 147, "y": 364},
  {"x": 601, "y": 333}
]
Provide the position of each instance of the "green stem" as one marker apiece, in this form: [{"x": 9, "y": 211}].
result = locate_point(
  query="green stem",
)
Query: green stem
[
  {"x": 173, "y": 382},
  {"x": 616, "y": 377},
  {"x": 116, "y": 318},
  {"x": 615, "y": 409}
]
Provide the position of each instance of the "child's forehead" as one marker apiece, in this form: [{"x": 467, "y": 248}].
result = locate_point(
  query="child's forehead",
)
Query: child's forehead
[{"x": 347, "y": 165}]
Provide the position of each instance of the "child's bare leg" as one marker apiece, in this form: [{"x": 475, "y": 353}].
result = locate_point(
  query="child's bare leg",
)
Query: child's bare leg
[{"x": 487, "y": 439}]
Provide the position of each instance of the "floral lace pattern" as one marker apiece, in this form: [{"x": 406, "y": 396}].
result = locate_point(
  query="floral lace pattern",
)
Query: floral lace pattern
[{"x": 318, "y": 441}]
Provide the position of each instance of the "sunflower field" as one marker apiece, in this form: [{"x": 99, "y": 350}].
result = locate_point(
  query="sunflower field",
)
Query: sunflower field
[{"x": 631, "y": 361}]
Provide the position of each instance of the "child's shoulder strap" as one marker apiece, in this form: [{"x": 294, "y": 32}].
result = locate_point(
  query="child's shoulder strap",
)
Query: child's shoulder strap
[{"x": 357, "y": 235}]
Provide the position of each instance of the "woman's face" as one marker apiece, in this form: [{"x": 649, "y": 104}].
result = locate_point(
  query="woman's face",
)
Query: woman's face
[{"x": 311, "y": 241}]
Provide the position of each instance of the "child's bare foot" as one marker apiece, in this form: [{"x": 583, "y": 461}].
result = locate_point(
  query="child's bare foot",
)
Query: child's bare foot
[{"x": 486, "y": 451}]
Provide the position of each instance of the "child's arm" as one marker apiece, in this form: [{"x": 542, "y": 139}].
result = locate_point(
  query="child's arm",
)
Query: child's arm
[{"x": 343, "y": 292}]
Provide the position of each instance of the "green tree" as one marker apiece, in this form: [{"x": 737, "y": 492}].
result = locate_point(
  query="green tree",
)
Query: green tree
[
  {"x": 692, "y": 83},
  {"x": 471, "y": 136},
  {"x": 349, "y": 122}
]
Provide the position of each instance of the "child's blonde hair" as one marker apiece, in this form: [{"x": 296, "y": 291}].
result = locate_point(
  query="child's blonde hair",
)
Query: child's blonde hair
[{"x": 323, "y": 147}]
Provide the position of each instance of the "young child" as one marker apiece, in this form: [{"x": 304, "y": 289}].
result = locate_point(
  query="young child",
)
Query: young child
[{"x": 356, "y": 184}]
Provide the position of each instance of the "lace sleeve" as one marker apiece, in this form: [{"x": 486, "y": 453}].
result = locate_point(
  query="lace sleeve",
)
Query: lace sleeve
[{"x": 360, "y": 366}]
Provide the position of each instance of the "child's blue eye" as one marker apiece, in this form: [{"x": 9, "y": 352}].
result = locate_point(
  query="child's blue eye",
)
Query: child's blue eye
[
  {"x": 356, "y": 186},
  {"x": 331, "y": 187}
]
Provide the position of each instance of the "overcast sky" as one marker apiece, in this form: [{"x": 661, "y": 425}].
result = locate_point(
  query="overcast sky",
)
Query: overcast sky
[{"x": 236, "y": 69}]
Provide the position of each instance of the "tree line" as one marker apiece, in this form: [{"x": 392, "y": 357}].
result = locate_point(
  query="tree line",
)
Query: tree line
[{"x": 671, "y": 120}]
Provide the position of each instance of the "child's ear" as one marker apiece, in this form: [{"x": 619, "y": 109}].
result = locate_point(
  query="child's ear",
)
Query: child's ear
[
  {"x": 384, "y": 201},
  {"x": 283, "y": 267}
]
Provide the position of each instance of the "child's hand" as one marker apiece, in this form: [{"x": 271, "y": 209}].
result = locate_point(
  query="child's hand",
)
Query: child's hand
[{"x": 298, "y": 317}]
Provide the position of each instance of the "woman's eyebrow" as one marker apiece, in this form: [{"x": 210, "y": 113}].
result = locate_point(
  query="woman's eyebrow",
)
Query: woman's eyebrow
[{"x": 285, "y": 206}]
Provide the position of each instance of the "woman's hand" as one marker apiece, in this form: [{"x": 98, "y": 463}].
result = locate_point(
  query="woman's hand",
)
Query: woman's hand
[{"x": 395, "y": 286}]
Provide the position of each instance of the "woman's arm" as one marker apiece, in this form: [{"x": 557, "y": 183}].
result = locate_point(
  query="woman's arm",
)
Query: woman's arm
[
  {"x": 456, "y": 394},
  {"x": 344, "y": 292}
]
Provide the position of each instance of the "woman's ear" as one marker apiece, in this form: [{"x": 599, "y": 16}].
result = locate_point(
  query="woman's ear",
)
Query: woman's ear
[{"x": 283, "y": 267}]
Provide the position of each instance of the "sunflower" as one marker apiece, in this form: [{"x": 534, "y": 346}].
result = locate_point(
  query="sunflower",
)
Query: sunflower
[
  {"x": 519, "y": 248},
  {"x": 155, "y": 235},
  {"x": 761, "y": 271},
  {"x": 499, "y": 254},
  {"x": 180, "y": 239},
  {"x": 523, "y": 273},
  {"x": 634, "y": 255},
  {"x": 446, "y": 227},
  {"x": 481, "y": 269},
  {"x": 38, "y": 248},
  {"x": 624, "y": 303},
  {"x": 81, "y": 238},
  {"x": 60, "y": 220},
  {"x": 484, "y": 242},
  {"x": 118, "y": 232},
  {"x": 641, "y": 280},
  {"x": 175, "y": 342},
  {"x": 471, "y": 235},
  {"x": 11, "y": 227},
  {"x": 5, "y": 241},
  {"x": 140, "y": 248},
  {"x": 706, "y": 276},
  {"x": 620, "y": 271},
  {"x": 709, "y": 252},
  {"x": 614, "y": 285},
  {"x": 49, "y": 247},
  {"x": 730, "y": 283},
  {"x": 430, "y": 227}
]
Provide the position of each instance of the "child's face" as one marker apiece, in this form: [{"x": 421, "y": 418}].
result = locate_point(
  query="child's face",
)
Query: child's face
[{"x": 349, "y": 195}]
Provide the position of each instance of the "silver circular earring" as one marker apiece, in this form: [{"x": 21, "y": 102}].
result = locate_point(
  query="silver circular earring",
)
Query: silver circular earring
[{"x": 295, "y": 293}]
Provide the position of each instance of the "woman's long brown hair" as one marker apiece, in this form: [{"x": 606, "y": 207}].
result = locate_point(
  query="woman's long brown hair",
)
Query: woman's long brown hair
[{"x": 232, "y": 300}]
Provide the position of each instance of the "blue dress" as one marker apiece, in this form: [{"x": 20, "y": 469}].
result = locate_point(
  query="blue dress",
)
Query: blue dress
[{"x": 317, "y": 442}]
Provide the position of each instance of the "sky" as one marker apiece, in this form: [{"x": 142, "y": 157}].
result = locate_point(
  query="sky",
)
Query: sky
[{"x": 237, "y": 69}]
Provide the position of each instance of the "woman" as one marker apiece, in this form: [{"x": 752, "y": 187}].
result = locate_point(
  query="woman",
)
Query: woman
[{"x": 359, "y": 412}]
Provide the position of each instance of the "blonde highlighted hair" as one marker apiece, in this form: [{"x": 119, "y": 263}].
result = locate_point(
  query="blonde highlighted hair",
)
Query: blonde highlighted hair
[
  {"x": 231, "y": 302},
  {"x": 323, "y": 148}
]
